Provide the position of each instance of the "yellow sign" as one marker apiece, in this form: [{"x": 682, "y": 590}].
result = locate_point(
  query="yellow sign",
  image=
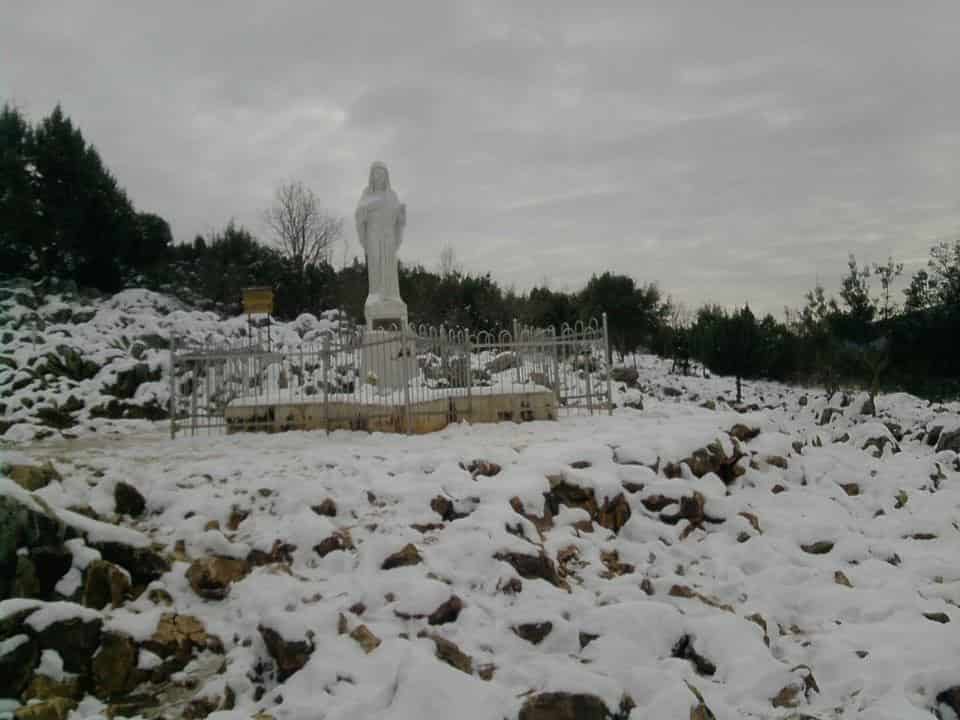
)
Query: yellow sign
[{"x": 258, "y": 300}]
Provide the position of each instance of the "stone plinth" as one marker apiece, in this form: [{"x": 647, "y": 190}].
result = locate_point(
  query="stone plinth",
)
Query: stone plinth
[
  {"x": 387, "y": 360},
  {"x": 423, "y": 417}
]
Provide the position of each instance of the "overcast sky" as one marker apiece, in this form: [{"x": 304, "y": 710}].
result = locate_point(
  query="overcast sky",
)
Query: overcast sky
[{"x": 729, "y": 150}]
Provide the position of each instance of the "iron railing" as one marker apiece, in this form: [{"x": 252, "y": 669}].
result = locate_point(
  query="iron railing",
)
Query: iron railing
[{"x": 438, "y": 376}]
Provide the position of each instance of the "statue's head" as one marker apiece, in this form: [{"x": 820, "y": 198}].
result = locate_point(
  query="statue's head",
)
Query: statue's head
[{"x": 379, "y": 178}]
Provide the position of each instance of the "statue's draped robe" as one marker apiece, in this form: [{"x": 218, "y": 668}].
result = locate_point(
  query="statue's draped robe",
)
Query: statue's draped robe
[{"x": 380, "y": 219}]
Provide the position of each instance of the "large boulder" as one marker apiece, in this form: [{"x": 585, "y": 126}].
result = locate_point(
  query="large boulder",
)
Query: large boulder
[
  {"x": 127, "y": 381},
  {"x": 25, "y": 522},
  {"x": 104, "y": 584},
  {"x": 57, "y": 708},
  {"x": 144, "y": 564},
  {"x": 19, "y": 655},
  {"x": 128, "y": 500},
  {"x": 50, "y": 563},
  {"x": 75, "y": 638},
  {"x": 114, "y": 667},
  {"x": 31, "y": 476},
  {"x": 178, "y": 636},
  {"x": 211, "y": 577},
  {"x": 626, "y": 375},
  {"x": 716, "y": 457},
  {"x": 289, "y": 655},
  {"x": 612, "y": 514},
  {"x": 565, "y": 706},
  {"x": 949, "y": 440}
]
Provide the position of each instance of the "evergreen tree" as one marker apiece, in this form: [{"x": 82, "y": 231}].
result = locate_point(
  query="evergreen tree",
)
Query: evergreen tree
[{"x": 18, "y": 211}]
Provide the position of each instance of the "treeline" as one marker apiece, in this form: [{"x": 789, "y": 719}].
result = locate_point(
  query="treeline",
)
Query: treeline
[
  {"x": 218, "y": 267},
  {"x": 63, "y": 215},
  {"x": 862, "y": 336}
]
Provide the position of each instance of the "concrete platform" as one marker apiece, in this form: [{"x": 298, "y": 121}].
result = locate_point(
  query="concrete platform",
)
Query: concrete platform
[{"x": 425, "y": 416}]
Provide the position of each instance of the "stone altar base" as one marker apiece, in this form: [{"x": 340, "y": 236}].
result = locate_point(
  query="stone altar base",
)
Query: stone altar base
[{"x": 425, "y": 416}]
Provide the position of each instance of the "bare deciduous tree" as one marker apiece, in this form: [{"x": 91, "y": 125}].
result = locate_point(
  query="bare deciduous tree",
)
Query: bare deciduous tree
[
  {"x": 302, "y": 230},
  {"x": 448, "y": 261}
]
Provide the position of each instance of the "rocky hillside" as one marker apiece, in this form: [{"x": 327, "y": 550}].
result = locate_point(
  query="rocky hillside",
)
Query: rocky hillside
[
  {"x": 75, "y": 363},
  {"x": 795, "y": 558}
]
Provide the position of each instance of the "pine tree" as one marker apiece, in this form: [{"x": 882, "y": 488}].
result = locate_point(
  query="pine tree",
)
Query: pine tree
[{"x": 18, "y": 218}]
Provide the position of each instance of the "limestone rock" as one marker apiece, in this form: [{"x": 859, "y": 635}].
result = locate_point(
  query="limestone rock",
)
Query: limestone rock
[
  {"x": 533, "y": 566},
  {"x": 177, "y": 636},
  {"x": 127, "y": 381},
  {"x": 712, "y": 458},
  {"x": 626, "y": 375},
  {"x": 951, "y": 698},
  {"x": 24, "y": 526},
  {"x": 744, "y": 433},
  {"x": 53, "y": 709},
  {"x": 32, "y": 477},
  {"x": 128, "y": 500},
  {"x": 452, "y": 655},
  {"x": 144, "y": 564},
  {"x": 211, "y": 577},
  {"x": 115, "y": 666},
  {"x": 481, "y": 468},
  {"x": 201, "y": 707},
  {"x": 327, "y": 508},
  {"x": 534, "y": 632},
  {"x": 75, "y": 639},
  {"x": 408, "y": 555},
  {"x": 684, "y": 649},
  {"x": 51, "y": 563},
  {"x": 42, "y": 687},
  {"x": 289, "y": 655},
  {"x": 25, "y": 583},
  {"x": 104, "y": 583},
  {"x": 447, "y": 612},
  {"x": 340, "y": 540},
  {"x": 366, "y": 639},
  {"x": 564, "y": 706},
  {"x": 281, "y": 552},
  {"x": 949, "y": 441},
  {"x": 20, "y": 655},
  {"x": 612, "y": 514},
  {"x": 446, "y": 509},
  {"x": 821, "y": 547}
]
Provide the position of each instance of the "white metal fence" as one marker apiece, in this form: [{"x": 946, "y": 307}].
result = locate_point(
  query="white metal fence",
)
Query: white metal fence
[{"x": 445, "y": 376}]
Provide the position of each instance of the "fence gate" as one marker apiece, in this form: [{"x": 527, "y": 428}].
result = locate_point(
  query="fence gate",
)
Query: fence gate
[{"x": 444, "y": 376}]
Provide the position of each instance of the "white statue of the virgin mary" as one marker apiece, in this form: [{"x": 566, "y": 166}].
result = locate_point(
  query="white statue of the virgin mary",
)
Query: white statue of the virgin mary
[{"x": 380, "y": 221}]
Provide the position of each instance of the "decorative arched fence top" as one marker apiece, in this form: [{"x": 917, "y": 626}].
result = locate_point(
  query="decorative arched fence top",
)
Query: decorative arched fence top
[{"x": 446, "y": 371}]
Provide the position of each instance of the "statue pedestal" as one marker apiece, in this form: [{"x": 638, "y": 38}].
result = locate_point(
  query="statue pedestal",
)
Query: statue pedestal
[
  {"x": 388, "y": 361},
  {"x": 389, "y": 314}
]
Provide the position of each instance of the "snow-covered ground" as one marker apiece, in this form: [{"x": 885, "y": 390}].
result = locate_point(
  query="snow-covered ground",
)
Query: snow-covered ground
[{"x": 793, "y": 559}]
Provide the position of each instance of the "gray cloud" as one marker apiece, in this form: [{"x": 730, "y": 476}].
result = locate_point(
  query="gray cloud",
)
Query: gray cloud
[{"x": 731, "y": 151}]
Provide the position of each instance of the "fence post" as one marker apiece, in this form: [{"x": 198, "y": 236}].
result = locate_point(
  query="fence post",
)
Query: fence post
[
  {"x": 193, "y": 396},
  {"x": 518, "y": 352},
  {"x": 587, "y": 361},
  {"x": 468, "y": 351},
  {"x": 173, "y": 386},
  {"x": 608, "y": 356},
  {"x": 325, "y": 363},
  {"x": 405, "y": 375}
]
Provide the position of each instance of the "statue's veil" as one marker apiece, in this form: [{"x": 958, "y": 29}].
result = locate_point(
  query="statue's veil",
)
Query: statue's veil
[{"x": 386, "y": 172}]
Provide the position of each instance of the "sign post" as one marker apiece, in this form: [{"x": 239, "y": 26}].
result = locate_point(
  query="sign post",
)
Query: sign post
[{"x": 258, "y": 301}]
